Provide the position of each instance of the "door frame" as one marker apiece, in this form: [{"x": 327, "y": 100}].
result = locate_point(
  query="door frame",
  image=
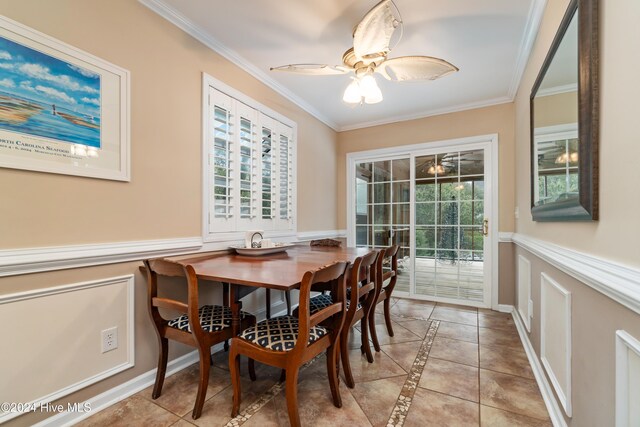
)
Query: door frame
[{"x": 491, "y": 186}]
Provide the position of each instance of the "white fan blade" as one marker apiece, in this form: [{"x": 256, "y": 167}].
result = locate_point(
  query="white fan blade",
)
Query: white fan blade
[
  {"x": 373, "y": 34},
  {"x": 415, "y": 68},
  {"x": 312, "y": 69}
]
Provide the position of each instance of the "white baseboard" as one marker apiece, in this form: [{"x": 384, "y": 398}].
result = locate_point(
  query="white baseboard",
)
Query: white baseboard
[
  {"x": 555, "y": 412},
  {"x": 121, "y": 392},
  {"x": 131, "y": 387},
  {"x": 505, "y": 308}
]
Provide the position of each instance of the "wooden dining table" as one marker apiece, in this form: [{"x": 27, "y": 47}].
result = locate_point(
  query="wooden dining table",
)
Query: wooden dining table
[{"x": 243, "y": 274}]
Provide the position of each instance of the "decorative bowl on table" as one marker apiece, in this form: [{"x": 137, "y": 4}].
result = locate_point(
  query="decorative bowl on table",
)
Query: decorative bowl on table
[{"x": 277, "y": 247}]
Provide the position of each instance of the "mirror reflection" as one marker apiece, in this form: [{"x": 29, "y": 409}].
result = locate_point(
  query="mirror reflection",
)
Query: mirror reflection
[{"x": 555, "y": 126}]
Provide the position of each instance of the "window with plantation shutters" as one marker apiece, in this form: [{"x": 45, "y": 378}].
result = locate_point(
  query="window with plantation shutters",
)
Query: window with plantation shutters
[{"x": 250, "y": 168}]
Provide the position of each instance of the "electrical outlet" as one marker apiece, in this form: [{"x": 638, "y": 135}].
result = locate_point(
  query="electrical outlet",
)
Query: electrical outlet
[{"x": 109, "y": 339}]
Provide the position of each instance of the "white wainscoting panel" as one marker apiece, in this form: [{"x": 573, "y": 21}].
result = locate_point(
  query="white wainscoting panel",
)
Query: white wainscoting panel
[
  {"x": 627, "y": 380},
  {"x": 524, "y": 303},
  {"x": 52, "y": 339},
  {"x": 555, "y": 337}
]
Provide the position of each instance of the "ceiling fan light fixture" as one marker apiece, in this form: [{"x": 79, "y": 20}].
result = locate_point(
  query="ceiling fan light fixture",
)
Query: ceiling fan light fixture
[
  {"x": 352, "y": 93},
  {"x": 369, "y": 89}
]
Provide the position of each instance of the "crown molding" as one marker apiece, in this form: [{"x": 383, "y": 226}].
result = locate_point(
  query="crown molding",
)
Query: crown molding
[
  {"x": 429, "y": 113},
  {"x": 556, "y": 90},
  {"x": 195, "y": 31},
  {"x": 534, "y": 19}
]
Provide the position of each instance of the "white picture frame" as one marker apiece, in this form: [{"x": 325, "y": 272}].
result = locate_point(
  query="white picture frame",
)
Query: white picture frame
[{"x": 62, "y": 110}]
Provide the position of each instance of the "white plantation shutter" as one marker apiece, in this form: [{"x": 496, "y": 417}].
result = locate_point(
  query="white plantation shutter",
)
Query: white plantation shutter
[
  {"x": 248, "y": 161},
  {"x": 268, "y": 171},
  {"x": 221, "y": 163},
  {"x": 285, "y": 176},
  {"x": 250, "y": 171}
]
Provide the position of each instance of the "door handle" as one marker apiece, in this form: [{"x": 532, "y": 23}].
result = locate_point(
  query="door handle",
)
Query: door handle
[{"x": 485, "y": 227}]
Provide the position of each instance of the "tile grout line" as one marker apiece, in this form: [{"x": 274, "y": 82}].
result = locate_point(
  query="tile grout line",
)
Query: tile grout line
[
  {"x": 265, "y": 398},
  {"x": 401, "y": 408}
]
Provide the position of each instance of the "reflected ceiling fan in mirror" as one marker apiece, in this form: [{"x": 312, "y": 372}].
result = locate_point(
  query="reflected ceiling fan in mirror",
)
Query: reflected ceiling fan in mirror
[{"x": 371, "y": 45}]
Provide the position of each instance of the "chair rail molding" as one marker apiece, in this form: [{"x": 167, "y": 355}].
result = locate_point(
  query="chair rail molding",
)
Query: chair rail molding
[
  {"x": 33, "y": 260},
  {"x": 617, "y": 281},
  {"x": 14, "y": 262}
]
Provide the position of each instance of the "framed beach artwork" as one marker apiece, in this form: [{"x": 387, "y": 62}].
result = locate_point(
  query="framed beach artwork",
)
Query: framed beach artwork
[{"x": 62, "y": 110}]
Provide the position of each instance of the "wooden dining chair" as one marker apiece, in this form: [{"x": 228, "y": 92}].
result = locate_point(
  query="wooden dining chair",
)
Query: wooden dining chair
[
  {"x": 360, "y": 297},
  {"x": 387, "y": 260},
  {"x": 288, "y": 342},
  {"x": 199, "y": 327},
  {"x": 358, "y": 305},
  {"x": 333, "y": 243}
]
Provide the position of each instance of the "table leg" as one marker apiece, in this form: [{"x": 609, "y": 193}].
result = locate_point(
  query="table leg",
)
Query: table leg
[{"x": 236, "y": 306}]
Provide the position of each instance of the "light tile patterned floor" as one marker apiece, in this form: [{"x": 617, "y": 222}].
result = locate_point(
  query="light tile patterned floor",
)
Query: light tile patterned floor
[{"x": 471, "y": 370}]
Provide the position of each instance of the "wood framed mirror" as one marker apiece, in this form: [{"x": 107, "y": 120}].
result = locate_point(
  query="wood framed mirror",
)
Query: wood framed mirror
[{"x": 565, "y": 123}]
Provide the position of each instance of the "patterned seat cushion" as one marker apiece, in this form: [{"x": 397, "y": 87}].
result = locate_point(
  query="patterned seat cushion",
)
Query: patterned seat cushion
[
  {"x": 212, "y": 318},
  {"x": 321, "y": 301},
  {"x": 280, "y": 333}
]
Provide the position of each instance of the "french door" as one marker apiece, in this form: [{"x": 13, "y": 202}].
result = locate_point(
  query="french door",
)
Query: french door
[{"x": 435, "y": 202}]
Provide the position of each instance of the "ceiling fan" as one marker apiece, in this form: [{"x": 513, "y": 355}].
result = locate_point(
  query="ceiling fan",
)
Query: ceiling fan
[{"x": 371, "y": 40}]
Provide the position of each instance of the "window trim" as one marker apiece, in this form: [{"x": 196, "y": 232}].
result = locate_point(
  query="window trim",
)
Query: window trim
[{"x": 235, "y": 236}]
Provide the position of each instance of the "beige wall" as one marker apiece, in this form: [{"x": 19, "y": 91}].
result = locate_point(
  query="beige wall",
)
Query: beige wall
[
  {"x": 594, "y": 317},
  {"x": 556, "y": 109},
  {"x": 483, "y": 121},
  {"x": 619, "y": 202},
  {"x": 163, "y": 199}
]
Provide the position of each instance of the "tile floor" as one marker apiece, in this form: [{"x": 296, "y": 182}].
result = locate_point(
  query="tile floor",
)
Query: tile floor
[{"x": 471, "y": 370}]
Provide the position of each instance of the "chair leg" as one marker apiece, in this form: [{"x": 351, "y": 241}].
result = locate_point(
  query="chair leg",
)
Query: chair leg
[
  {"x": 162, "y": 367},
  {"x": 283, "y": 375},
  {"x": 252, "y": 369},
  {"x": 344, "y": 355},
  {"x": 268, "y": 302},
  {"x": 204, "y": 381},
  {"x": 234, "y": 368},
  {"x": 226, "y": 345},
  {"x": 210, "y": 359},
  {"x": 387, "y": 315},
  {"x": 372, "y": 329},
  {"x": 291, "y": 389},
  {"x": 332, "y": 372},
  {"x": 364, "y": 339},
  {"x": 287, "y": 297}
]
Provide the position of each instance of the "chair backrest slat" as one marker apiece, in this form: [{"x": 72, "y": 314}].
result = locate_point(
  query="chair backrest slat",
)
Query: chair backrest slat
[
  {"x": 170, "y": 304},
  {"x": 163, "y": 267},
  {"x": 361, "y": 280},
  {"x": 389, "y": 255},
  {"x": 331, "y": 273}
]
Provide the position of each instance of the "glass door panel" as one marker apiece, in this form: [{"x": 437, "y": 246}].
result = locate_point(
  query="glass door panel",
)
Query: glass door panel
[
  {"x": 449, "y": 193},
  {"x": 433, "y": 207},
  {"x": 383, "y": 210}
]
